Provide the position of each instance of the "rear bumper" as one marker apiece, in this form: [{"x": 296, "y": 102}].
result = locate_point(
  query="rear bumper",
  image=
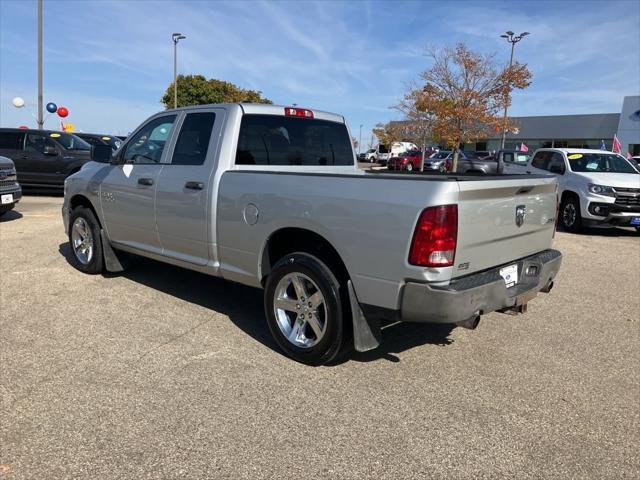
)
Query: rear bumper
[{"x": 479, "y": 293}]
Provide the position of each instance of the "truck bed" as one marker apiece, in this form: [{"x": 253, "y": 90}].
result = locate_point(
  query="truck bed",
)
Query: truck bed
[{"x": 369, "y": 218}]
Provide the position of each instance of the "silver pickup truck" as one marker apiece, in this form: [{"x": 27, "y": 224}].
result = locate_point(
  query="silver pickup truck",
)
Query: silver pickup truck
[{"x": 271, "y": 197}]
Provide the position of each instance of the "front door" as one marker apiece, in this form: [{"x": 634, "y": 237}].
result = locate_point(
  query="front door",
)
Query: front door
[
  {"x": 127, "y": 193},
  {"x": 40, "y": 167},
  {"x": 184, "y": 210}
]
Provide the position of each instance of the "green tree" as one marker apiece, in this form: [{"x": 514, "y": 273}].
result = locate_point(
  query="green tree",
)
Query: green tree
[{"x": 198, "y": 90}]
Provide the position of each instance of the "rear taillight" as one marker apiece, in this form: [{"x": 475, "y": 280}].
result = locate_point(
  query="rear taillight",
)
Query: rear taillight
[
  {"x": 435, "y": 238},
  {"x": 298, "y": 112}
]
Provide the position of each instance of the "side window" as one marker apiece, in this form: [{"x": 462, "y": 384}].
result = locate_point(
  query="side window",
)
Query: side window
[
  {"x": 556, "y": 163},
  {"x": 508, "y": 157},
  {"x": 147, "y": 145},
  {"x": 35, "y": 143},
  {"x": 541, "y": 160},
  {"x": 11, "y": 140},
  {"x": 193, "y": 141},
  {"x": 92, "y": 141}
]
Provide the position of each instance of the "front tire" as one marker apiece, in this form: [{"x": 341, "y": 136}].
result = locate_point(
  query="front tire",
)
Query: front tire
[
  {"x": 304, "y": 309},
  {"x": 85, "y": 241},
  {"x": 570, "y": 217}
]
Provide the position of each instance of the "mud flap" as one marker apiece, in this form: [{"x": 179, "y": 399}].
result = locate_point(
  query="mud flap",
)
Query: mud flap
[
  {"x": 111, "y": 260},
  {"x": 366, "y": 333}
]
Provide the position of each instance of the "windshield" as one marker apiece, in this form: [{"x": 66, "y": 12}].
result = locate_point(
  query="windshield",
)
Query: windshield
[
  {"x": 114, "y": 142},
  {"x": 599, "y": 162},
  {"x": 441, "y": 155},
  {"x": 70, "y": 142}
]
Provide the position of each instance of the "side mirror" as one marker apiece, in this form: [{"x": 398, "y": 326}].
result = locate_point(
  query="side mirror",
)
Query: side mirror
[
  {"x": 558, "y": 169},
  {"x": 101, "y": 153},
  {"x": 50, "y": 150}
]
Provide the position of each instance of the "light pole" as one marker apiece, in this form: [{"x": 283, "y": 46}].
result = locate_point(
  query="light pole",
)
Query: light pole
[
  {"x": 40, "y": 119},
  {"x": 512, "y": 38},
  {"x": 176, "y": 38},
  {"x": 360, "y": 142}
]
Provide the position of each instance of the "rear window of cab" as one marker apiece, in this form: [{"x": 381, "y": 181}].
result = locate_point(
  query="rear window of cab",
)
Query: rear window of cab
[{"x": 283, "y": 140}]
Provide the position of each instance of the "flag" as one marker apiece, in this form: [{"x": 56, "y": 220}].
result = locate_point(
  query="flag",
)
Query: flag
[
  {"x": 523, "y": 147},
  {"x": 629, "y": 157},
  {"x": 616, "y": 148},
  {"x": 602, "y": 145}
]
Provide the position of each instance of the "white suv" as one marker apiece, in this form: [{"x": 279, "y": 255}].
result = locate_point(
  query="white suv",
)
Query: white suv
[{"x": 595, "y": 187}]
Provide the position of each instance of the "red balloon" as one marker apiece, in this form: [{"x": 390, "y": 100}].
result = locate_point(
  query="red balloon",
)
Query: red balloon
[
  {"x": 24, "y": 127},
  {"x": 63, "y": 112}
]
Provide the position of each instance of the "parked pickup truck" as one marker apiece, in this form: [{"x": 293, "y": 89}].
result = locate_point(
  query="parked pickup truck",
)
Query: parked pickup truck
[{"x": 271, "y": 197}]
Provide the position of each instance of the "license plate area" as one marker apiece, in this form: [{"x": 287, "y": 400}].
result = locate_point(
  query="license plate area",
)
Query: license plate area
[
  {"x": 510, "y": 275},
  {"x": 6, "y": 199},
  {"x": 635, "y": 221}
]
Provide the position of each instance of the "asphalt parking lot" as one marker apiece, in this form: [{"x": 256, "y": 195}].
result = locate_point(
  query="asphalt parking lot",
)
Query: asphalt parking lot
[{"x": 164, "y": 373}]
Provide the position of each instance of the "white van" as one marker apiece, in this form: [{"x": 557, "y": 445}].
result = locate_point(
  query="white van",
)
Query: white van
[{"x": 383, "y": 155}]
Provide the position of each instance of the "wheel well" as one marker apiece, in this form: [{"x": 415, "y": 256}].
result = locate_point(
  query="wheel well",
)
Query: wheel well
[
  {"x": 567, "y": 194},
  {"x": 82, "y": 201},
  {"x": 288, "y": 240}
]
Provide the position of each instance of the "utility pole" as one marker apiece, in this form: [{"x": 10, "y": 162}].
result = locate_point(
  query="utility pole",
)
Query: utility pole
[
  {"x": 360, "y": 142},
  {"x": 512, "y": 38},
  {"x": 40, "y": 117},
  {"x": 176, "y": 37}
]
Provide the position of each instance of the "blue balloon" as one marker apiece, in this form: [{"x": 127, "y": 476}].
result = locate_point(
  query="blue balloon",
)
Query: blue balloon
[{"x": 51, "y": 107}]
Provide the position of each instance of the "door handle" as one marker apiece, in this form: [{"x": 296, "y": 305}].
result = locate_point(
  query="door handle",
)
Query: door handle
[
  {"x": 145, "y": 181},
  {"x": 194, "y": 185}
]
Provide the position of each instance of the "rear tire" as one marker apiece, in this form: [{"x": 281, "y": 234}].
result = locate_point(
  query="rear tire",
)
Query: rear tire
[
  {"x": 85, "y": 241},
  {"x": 570, "y": 217},
  {"x": 409, "y": 167},
  {"x": 298, "y": 286}
]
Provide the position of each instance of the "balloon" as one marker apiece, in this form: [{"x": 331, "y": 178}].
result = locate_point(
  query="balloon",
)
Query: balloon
[
  {"x": 63, "y": 112},
  {"x": 51, "y": 107},
  {"x": 24, "y": 127},
  {"x": 18, "y": 102}
]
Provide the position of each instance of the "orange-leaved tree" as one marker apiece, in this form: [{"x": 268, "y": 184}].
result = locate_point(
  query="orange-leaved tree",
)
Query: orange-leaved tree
[
  {"x": 464, "y": 93},
  {"x": 418, "y": 122}
]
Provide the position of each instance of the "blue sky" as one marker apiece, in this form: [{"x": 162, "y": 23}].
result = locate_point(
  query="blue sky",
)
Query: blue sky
[{"x": 110, "y": 62}]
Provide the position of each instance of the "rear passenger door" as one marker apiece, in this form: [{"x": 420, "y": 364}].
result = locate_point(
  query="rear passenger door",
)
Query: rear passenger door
[{"x": 185, "y": 195}]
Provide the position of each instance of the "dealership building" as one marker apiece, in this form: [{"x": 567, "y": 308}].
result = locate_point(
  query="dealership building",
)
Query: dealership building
[{"x": 572, "y": 131}]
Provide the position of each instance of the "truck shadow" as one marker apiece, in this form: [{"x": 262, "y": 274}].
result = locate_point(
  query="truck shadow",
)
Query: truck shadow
[
  {"x": 243, "y": 306},
  {"x": 10, "y": 215}
]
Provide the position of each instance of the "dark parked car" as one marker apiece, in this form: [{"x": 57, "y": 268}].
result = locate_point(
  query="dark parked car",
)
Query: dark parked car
[
  {"x": 10, "y": 191},
  {"x": 635, "y": 161},
  {"x": 43, "y": 158},
  {"x": 481, "y": 166},
  {"x": 97, "y": 139}
]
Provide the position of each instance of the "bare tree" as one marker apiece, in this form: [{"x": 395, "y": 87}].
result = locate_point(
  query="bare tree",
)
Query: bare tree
[{"x": 464, "y": 93}]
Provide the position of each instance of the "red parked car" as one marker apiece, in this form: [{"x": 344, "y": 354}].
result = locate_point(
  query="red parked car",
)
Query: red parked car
[{"x": 409, "y": 161}]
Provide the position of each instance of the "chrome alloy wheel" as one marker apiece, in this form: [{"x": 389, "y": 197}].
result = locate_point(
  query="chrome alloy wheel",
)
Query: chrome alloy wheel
[
  {"x": 569, "y": 214},
  {"x": 82, "y": 241},
  {"x": 300, "y": 310}
]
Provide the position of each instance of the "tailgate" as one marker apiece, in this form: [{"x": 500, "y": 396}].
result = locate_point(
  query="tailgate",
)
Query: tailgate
[{"x": 492, "y": 230}]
